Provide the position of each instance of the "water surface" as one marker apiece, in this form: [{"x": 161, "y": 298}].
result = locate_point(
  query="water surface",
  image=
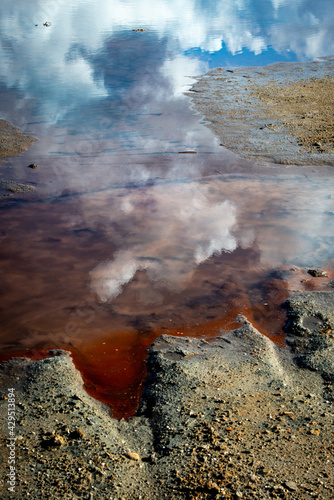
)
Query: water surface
[{"x": 141, "y": 223}]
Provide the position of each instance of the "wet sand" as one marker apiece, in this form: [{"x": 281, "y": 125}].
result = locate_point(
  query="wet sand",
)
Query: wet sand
[
  {"x": 12, "y": 143},
  {"x": 281, "y": 113}
]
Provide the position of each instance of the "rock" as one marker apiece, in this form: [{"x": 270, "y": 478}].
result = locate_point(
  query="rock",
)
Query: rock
[
  {"x": 315, "y": 432},
  {"x": 77, "y": 434},
  {"x": 291, "y": 485},
  {"x": 32, "y": 165},
  {"x": 317, "y": 273},
  {"x": 54, "y": 442},
  {"x": 213, "y": 487},
  {"x": 265, "y": 471},
  {"x": 132, "y": 455}
]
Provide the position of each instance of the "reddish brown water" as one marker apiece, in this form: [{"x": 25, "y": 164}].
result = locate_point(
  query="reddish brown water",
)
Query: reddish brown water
[
  {"x": 104, "y": 274},
  {"x": 125, "y": 238}
]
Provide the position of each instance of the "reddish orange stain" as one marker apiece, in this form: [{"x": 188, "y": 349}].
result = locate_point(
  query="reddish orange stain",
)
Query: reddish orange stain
[{"x": 113, "y": 367}]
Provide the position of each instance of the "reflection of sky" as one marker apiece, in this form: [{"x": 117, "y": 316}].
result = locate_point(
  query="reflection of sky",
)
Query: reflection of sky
[
  {"x": 102, "y": 92},
  {"x": 174, "y": 231},
  {"x": 65, "y": 65},
  {"x": 175, "y": 227}
]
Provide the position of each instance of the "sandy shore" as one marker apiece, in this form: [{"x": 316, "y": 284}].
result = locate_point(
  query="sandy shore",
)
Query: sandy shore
[
  {"x": 281, "y": 113},
  {"x": 12, "y": 143}
]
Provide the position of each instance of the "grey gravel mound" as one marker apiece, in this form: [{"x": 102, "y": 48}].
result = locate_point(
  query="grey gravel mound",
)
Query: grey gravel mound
[
  {"x": 310, "y": 329},
  {"x": 231, "y": 418}
]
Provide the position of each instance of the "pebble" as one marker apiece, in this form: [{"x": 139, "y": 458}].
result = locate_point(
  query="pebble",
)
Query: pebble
[
  {"x": 315, "y": 432},
  {"x": 317, "y": 273},
  {"x": 132, "y": 455},
  {"x": 291, "y": 485},
  {"x": 211, "y": 486}
]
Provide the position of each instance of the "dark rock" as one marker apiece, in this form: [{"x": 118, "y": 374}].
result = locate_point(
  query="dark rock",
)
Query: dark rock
[{"x": 317, "y": 273}]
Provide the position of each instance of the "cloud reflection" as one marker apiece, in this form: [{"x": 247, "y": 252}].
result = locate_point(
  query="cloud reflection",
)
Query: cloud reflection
[
  {"x": 172, "y": 231},
  {"x": 57, "y": 63}
]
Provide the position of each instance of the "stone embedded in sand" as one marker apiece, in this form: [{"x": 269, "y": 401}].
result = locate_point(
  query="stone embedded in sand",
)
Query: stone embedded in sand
[
  {"x": 132, "y": 455},
  {"x": 315, "y": 432},
  {"x": 77, "y": 434},
  {"x": 291, "y": 485},
  {"x": 54, "y": 442},
  {"x": 212, "y": 487}
]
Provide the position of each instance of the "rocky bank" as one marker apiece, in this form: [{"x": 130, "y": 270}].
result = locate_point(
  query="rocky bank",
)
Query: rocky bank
[{"x": 237, "y": 417}]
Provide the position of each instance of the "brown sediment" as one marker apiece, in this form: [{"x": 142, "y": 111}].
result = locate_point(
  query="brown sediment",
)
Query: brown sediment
[
  {"x": 13, "y": 143},
  {"x": 306, "y": 108},
  {"x": 113, "y": 366},
  {"x": 281, "y": 113}
]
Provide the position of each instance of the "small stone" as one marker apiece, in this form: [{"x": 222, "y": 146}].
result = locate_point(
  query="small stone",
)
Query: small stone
[
  {"x": 77, "y": 434},
  {"x": 132, "y": 455},
  {"x": 54, "y": 442},
  {"x": 291, "y": 485},
  {"x": 211, "y": 486},
  {"x": 265, "y": 471},
  {"x": 316, "y": 273},
  {"x": 32, "y": 165},
  {"x": 315, "y": 432}
]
